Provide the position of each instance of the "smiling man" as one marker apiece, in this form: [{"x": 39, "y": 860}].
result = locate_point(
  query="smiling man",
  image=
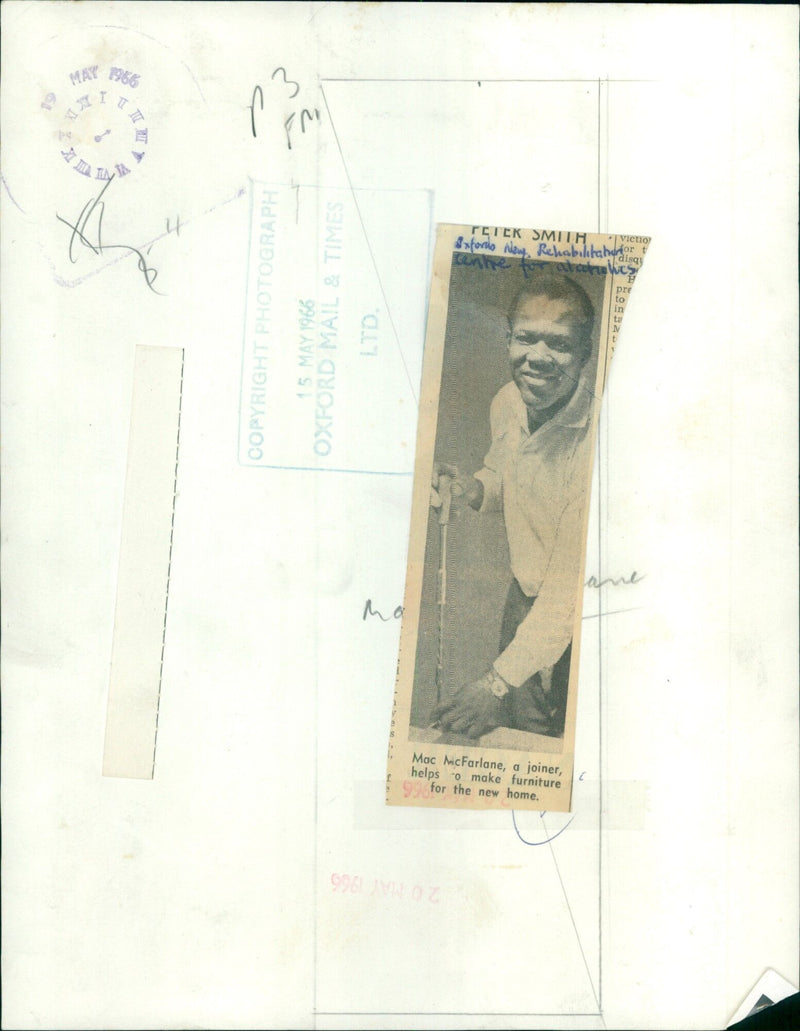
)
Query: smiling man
[{"x": 536, "y": 474}]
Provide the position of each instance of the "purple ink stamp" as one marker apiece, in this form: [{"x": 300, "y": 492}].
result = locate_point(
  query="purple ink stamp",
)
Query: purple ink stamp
[{"x": 102, "y": 131}]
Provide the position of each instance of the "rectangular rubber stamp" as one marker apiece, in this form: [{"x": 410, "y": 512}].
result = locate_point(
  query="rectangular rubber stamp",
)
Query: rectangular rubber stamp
[{"x": 333, "y": 333}]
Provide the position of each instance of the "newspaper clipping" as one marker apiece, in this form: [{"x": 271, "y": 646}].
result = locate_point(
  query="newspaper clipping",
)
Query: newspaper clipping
[{"x": 521, "y": 328}]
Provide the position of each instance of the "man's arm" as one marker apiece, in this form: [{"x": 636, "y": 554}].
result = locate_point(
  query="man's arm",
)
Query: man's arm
[
  {"x": 539, "y": 643},
  {"x": 544, "y": 634},
  {"x": 489, "y": 492}
]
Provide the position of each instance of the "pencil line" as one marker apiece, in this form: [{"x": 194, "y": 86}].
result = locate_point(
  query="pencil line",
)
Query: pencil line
[
  {"x": 169, "y": 563},
  {"x": 613, "y": 612},
  {"x": 315, "y": 863},
  {"x": 246, "y": 310},
  {"x": 608, "y": 120},
  {"x": 440, "y": 1013},
  {"x": 598, "y": 156},
  {"x": 571, "y": 916},
  {"x": 326, "y": 469},
  {"x": 478, "y": 79},
  {"x": 369, "y": 248}
]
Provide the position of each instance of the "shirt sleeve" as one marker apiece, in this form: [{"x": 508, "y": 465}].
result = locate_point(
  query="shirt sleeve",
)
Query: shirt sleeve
[
  {"x": 492, "y": 490},
  {"x": 542, "y": 637},
  {"x": 491, "y": 475}
]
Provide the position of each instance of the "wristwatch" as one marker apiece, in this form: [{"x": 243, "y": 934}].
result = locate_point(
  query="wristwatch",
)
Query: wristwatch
[{"x": 497, "y": 685}]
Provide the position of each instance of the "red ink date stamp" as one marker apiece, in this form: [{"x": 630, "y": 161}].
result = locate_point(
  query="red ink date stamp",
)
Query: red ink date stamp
[{"x": 355, "y": 884}]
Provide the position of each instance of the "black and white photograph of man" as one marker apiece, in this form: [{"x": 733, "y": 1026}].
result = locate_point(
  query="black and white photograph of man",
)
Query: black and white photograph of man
[{"x": 518, "y": 514}]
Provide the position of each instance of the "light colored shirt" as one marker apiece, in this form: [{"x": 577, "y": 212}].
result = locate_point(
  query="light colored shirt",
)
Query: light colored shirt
[{"x": 540, "y": 481}]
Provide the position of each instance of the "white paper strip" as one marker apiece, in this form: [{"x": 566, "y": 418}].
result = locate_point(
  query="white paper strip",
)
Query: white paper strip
[{"x": 142, "y": 586}]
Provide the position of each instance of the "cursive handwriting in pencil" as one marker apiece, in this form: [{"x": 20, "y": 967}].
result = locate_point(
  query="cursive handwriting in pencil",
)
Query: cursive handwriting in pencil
[{"x": 88, "y": 232}]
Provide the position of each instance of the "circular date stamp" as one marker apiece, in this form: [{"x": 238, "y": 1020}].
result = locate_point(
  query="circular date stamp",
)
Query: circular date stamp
[{"x": 102, "y": 130}]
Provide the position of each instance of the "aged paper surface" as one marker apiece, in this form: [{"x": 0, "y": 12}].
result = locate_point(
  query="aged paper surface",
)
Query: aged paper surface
[
  {"x": 259, "y": 879},
  {"x": 486, "y": 698}
]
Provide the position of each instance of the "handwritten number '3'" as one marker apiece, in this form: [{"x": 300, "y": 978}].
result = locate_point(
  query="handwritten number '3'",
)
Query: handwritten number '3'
[
  {"x": 305, "y": 114},
  {"x": 289, "y": 82}
]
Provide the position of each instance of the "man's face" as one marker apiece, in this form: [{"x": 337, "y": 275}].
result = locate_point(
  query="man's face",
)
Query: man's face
[{"x": 546, "y": 351}]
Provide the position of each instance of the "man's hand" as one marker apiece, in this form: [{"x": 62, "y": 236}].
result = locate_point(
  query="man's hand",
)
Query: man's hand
[
  {"x": 474, "y": 710},
  {"x": 461, "y": 487}
]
